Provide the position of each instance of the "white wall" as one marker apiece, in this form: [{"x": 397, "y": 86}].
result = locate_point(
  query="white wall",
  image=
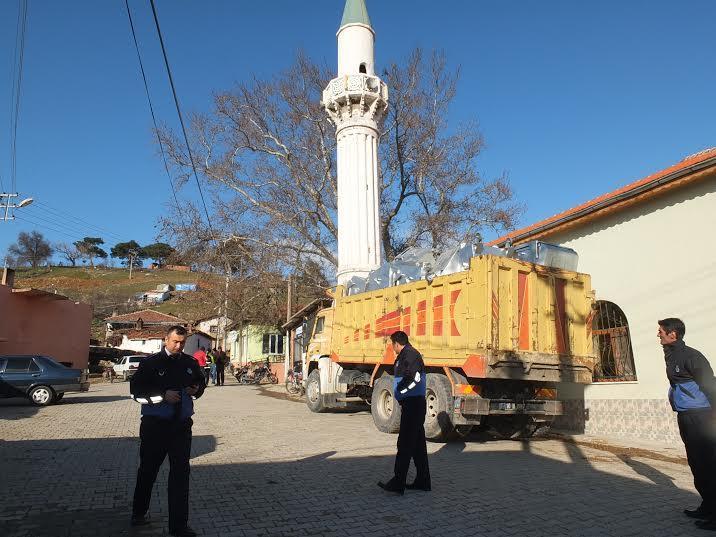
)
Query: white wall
[
  {"x": 147, "y": 345},
  {"x": 655, "y": 260}
]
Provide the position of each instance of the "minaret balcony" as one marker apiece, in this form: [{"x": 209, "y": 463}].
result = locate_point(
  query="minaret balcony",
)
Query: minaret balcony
[{"x": 358, "y": 94}]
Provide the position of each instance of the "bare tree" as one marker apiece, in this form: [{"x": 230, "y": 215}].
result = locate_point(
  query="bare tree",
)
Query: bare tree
[
  {"x": 267, "y": 150},
  {"x": 69, "y": 252},
  {"x": 31, "y": 248}
]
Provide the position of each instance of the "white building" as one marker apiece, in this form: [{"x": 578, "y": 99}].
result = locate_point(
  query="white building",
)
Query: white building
[{"x": 649, "y": 249}]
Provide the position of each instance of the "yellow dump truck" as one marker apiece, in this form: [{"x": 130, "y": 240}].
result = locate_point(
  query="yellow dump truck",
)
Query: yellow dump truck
[{"x": 497, "y": 339}]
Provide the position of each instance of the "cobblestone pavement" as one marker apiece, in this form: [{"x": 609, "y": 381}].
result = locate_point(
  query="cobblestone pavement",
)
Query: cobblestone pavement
[{"x": 264, "y": 465}]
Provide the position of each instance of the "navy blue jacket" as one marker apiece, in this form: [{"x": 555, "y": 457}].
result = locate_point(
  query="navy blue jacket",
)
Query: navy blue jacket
[
  {"x": 159, "y": 373},
  {"x": 693, "y": 386},
  {"x": 409, "y": 374}
]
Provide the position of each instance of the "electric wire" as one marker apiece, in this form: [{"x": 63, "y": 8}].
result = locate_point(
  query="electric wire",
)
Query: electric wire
[
  {"x": 69, "y": 227},
  {"x": 46, "y": 227},
  {"x": 181, "y": 121},
  {"x": 17, "y": 89},
  {"x": 154, "y": 119},
  {"x": 82, "y": 223}
]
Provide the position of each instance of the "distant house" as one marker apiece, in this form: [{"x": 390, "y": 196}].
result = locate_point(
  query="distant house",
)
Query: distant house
[
  {"x": 143, "y": 331},
  {"x": 144, "y": 320},
  {"x": 252, "y": 343},
  {"x": 152, "y": 297},
  {"x": 214, "y": 326}
]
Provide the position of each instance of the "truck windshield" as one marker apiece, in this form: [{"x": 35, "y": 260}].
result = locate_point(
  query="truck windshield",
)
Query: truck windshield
[{"x": 319, "y": 325}]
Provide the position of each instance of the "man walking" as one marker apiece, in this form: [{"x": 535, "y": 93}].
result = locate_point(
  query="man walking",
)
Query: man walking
[
  {"x": 166, "y": 384},
  {"x": 692, "y": 395},
  {"x": 211, "y": 358},
  {"x": 220, "y": 366},
  {"x": 200, "y": 357},
  {"x": 409, "y": 391}
]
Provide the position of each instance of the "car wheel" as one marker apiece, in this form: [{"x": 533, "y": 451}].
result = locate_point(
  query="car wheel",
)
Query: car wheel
[
  {"x": 41, "y": 395},
  {"x": 125, "y": 376}
]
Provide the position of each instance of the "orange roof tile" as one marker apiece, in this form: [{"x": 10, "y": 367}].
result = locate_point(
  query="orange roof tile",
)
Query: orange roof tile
[
  {"x": 640, "y": 187},
  {"x": 147, "y": 316}
]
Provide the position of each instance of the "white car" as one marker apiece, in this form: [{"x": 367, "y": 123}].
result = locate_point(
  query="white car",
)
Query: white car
[{"x": 128, "y": 366}]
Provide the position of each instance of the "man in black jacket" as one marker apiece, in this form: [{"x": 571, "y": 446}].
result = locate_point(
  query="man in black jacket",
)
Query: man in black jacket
[
  {"x": 692, "y": 395},
  {"x": 166, "y": 384},
  {"x": 409, "y": 390}
]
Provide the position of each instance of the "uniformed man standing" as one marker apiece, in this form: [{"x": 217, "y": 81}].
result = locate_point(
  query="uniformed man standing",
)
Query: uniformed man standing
[
  {"x": 692, "y": 397},
  {"x": 166, "y": 384},
  {"x": 409, "y": 391}
]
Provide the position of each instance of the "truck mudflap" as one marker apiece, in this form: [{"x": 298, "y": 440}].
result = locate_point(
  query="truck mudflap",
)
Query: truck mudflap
[{"x": 467, "y": 409}]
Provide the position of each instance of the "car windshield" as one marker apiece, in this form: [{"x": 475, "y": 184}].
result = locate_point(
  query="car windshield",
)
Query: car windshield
[
  {"x": 50, "y": 362},
  {"x": 135, "y": 359}
]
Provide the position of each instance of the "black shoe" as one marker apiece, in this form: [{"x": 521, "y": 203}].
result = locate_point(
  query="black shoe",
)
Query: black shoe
[
  {"x": 184, "y": 532},
  {"x": 418, "y": 485},
  {"x": 699, "y": 513},
  {"x": 140, "y": 520},
  {"x": 392, "y": 486}
]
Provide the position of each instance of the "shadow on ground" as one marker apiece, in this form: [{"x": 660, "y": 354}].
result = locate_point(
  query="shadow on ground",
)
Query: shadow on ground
[{"x": 83, "y": 488}]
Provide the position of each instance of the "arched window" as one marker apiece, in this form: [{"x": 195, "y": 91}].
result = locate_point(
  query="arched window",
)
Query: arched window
[
  {"x": 612, "y": 343},
  {"x": 362, "y": 69}
]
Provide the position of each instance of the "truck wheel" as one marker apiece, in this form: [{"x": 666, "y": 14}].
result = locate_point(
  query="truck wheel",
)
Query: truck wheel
[
  {"x": 438, "y": 396},
  {"x": 313, "y": 392},
  {"x": 383, "y": 406}
]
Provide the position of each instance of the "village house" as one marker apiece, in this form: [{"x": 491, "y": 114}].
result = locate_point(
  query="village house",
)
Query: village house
[
  {"x": 144, "y": 331},
  {"x": 254, "y": 343},
  {"x": 648, "y": 249},
  {"x": 43, "y": 323}
]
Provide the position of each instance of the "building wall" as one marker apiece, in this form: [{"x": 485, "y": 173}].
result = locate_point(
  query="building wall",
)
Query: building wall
[
  {"x": 149, "y": 346},
  {"x": 654, "y": 260},
  {"x": 42, "y": 325},
  {"x": 194, "y": 341}
]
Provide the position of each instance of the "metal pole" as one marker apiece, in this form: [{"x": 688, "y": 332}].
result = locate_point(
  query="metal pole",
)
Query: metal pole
[{"x": 287, "y": 340}]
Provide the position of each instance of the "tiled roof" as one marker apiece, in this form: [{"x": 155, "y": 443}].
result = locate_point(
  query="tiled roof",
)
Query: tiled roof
[
  {"x": 147, "y": 333},
  {"x": 640, "y": 190},
  {"x": 147, "y": 316}
]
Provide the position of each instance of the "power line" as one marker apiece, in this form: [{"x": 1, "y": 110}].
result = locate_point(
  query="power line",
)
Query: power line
[
  {"x": 69, "y": 227},
  {"x": 154, "y": 119},
  {"x": 181, "y": 120},
  {"x": 17, "y": 89},
  {"x": 45, "y": 226},
  {"x": 65, "y": 215}
]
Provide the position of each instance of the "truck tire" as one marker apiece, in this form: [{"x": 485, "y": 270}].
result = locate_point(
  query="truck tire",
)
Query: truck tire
[
  {"x": 438, "y": 424},
  {"x": 314, "y": 401},
  {"x": 383, "y": 406}
]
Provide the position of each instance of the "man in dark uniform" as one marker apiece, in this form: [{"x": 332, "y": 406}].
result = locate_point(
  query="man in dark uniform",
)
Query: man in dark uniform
[
  {"x": 220, "y": 366},
  {"x": 166, "y": 384},
  {"x": 409, "y": 391},
  {"x": 692, "y": 395}
]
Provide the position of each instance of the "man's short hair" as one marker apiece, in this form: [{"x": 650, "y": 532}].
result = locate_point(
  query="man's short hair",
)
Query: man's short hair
[
  {"x": 177, "y": 329},
  {"x": 399, "y": 337},
  {"x": 203, "y": 348},
  {"x": 672, "y": 324}
]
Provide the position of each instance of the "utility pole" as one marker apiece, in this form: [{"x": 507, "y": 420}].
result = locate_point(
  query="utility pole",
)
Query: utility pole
[
  {"x": 287, "y": 342},
  {"x": 7, "y": 215},
  {"x": 132, "y": 255}
]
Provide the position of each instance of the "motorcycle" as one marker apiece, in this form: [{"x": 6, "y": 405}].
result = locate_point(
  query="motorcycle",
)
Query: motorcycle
[
  {"x": 243, "y": 375},
  {"x": 264, "y": 372},
  {"x": 294, "y": 380}
]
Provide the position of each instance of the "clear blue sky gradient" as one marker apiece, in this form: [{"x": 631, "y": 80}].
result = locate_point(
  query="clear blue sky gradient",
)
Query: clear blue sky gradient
[{"x": 574, "y": 98}]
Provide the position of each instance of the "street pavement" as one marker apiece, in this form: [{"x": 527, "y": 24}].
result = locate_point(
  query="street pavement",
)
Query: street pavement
[{"x": 265, "y": 465}]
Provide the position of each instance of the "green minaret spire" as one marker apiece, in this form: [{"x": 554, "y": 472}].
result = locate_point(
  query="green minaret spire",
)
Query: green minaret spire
[{"x": 355, "y": 13}]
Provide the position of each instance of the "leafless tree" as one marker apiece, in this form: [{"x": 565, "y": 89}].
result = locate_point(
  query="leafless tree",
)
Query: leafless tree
[
  {"x": 69, "y": 252},
  {"x": 267, "y": 152},
  {"x": 31, "y": 248}
]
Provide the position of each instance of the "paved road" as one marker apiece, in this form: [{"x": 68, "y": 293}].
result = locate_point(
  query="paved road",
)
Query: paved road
[{"x": 263, "y": 465}]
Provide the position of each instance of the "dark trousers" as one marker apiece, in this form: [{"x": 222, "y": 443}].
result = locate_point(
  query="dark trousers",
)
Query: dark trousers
[
  {"x": 220, "y": 375},
  {"x": 697, "y": 432},
  {"x": 160, "y": 438},
  {"x": 207, "y": 371},
  {"x": 411, "y": 442}
]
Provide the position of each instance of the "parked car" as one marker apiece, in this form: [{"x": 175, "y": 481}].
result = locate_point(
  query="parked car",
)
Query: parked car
[
  {"x": 128, "y": 366},
  {"x": 39, "y": 378}
]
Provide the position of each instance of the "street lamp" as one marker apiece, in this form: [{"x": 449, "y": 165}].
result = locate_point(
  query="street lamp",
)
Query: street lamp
[{"x": 7, "y": 205}]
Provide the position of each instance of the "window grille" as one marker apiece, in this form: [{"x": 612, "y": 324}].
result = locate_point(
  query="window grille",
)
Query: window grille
[{"x": 612, "y": 342}]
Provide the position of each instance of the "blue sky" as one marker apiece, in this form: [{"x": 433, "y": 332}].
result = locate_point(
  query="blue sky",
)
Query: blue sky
[{"x": 573, "y": 98}]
